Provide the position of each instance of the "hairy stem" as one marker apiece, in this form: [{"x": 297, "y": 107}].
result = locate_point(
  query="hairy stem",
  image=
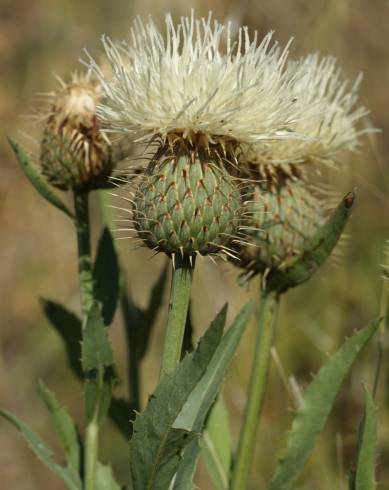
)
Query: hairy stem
[
  {"x": 178, "y": 311},
  {"x": 81, "y": 209},
  {"x": 256, "y": 391}
]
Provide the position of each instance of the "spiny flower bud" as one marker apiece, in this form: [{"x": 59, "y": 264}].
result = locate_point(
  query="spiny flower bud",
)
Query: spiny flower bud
[
  {"x": 283, "y": 210},
  {"x": 186, "y": 202},
  {"x": 284, "y": 214},
  {"x": 75, "y": 154}
]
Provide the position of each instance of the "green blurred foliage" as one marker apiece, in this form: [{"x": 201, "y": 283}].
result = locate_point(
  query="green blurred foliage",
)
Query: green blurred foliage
[{"x": 42, "y": 37}]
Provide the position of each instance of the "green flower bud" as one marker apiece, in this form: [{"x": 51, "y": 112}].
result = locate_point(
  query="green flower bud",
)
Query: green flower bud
[
  {"x": 187, "y": 203},
  {"x": 74, "y": 153},
  {"x": 283, "y": 215}
]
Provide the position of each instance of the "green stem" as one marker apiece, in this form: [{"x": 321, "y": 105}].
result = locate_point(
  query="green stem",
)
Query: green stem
[
  {"x": 81, "y": 210},
  {"x": 91, "y": 454},
  {"x": 178, "y": 311},
  {"x": 256, "y": 391}
]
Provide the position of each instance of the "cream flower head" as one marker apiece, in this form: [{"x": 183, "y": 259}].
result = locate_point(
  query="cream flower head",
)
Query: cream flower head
[
  {"x": 197, "y": 80},
  {"x": 330, "y": 115}
]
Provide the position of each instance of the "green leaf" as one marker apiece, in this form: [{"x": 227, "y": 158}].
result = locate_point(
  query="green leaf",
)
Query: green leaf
[
  {"x": 105, "y": 479},
  {"x": 97, "y": 362},
  {"x": 106, "y": 276},
  {"x": 156, "y": 445},
  {"x": 33, "y": 174},
  {"x": 317, "y": 403},
  {"x": 316, "y": 251},
  {"x": 68, "y": 325},
  {"x": 216, "y": 447},
  {"x": 201, "y": 399},
  {"x": 193, "y": 415},
  {"x": 183, "y": 479},
  {"x": 96, "y": 347},
  {"x": 363, "y": 476},
  {"x": 64, "y": 427},
  {"x": 44, "y": 453}
]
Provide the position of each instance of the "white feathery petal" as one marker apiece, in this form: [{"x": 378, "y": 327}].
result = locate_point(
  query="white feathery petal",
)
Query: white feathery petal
[
  {"x": 329, "y": 110},
  {"x": 197, "y": 79}
]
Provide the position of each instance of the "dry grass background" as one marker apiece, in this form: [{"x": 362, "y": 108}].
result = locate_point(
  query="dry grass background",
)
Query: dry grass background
[{"x": 38, "y": 37}]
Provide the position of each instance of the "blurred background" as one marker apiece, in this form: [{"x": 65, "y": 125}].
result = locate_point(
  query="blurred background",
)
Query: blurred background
[{"x": 42, "y": 37}]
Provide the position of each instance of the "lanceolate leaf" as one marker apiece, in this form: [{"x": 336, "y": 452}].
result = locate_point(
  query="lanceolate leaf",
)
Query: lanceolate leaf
[
  {"x": 216, "y": 445},
  {"x": 97, "y": 363},
  {"x": 363, "y": 477},
  {"x": 64, "y": 428},
  {"x": 194, "y": 413},
  {"x": 155, "y": 446},
  {"x": 33, "y": 174},
  {"x": 317, "y": 403},
  {"x": 44, "y": 453},
  {"x": 68, "y": 325},
  {"x": 316, "y": 251},
  {"x": 196, "y": 408},
  {"x": 106, "y": 276},
  {"x": 96, "y": 347}
]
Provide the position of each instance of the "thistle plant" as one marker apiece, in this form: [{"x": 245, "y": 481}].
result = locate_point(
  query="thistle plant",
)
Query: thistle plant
[
  {"x": 234, "y": 131},
  {"x": 198, "y": 106}
]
